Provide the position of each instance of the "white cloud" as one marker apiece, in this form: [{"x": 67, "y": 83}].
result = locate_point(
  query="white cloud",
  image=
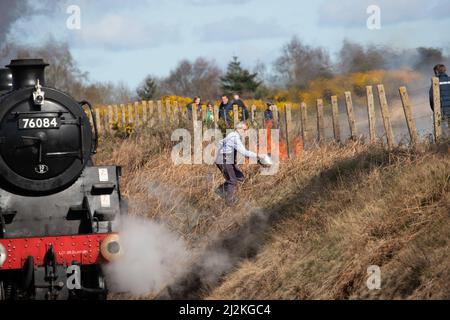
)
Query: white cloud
[
  {"x": 352, "y": 13},
  {"x": 240, "y": 28},
  {"x": 118, "y": 32},
  {"x": 217, "y": 2}
]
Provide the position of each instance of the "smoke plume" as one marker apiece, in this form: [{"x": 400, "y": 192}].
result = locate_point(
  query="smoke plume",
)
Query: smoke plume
[
  {"x": 152, "y": 257},
  {"x": 10, "y": 12},
  {"x": 13, "y": 10}
]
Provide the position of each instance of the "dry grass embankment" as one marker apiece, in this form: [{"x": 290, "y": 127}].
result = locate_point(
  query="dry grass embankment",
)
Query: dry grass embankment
[{"x": 309, "y": 232}]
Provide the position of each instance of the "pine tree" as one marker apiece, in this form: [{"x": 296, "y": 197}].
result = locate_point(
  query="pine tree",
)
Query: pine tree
[
  {"x": 147, "y": 90},
  {"x": 238, "y": 79}
]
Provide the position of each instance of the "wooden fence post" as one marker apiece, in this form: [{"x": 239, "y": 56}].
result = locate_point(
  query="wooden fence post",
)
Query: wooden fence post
[
  {"x": 176, "y": 113},
  {"x": 351, "y": 116},
  {"x": 386, "y": 116},
  {"x": 276, "y": 123},
  {"x": 371, "y": 114},
  {"x": 184, "y": 117},
  {"x": 130, "y": 114},
  {"x": 110, "y": 117},
  {"x": 116, "y": 114},
  {"x": 336, "y": 122},
  {"x": 160, "y": 113},
  {"x": 288, "y": 118},
  {"x": 235, "y": 115},
  {"x": 151, "y": 113},
  {"x": 124, "y": 117},
  {"x": 216, "y": 117},
  {"x": 98, "y": 120},
  {"x": 105, "y": 120},
  {"x": 144, "y": 112},
  {"x": 304, "y": 120},
  {"x": 408, "y": 115},
  {"x": 261, "y": 119},
  {"x": 137, "y": 116},
  {"x": 320, "y": 121},
  {"x": 437, "y": 110},
  {"x": 204, "y": 113},
  {"x": 169, "y": 112},
  {"x": 252, "y": 115},
  {"x": 194, "y": 116}
]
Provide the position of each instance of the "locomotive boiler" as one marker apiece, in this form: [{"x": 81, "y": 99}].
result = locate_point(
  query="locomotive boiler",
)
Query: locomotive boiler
[{"x": 58, "y": 212}]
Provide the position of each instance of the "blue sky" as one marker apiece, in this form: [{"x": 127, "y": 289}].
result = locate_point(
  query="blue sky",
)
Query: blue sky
[{"x": 126, "y": 40}]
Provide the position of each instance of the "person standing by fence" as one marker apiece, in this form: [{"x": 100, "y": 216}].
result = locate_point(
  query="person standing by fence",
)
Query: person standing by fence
[
  {"x": 226, "y": 111},
  {"x": 209, "y": 120},
  {"x": 241, "y": 107},
  {"x": 440, "y": 71},
  {"x": 268, "y": 115},
  {"x": 196, "y": 103}
]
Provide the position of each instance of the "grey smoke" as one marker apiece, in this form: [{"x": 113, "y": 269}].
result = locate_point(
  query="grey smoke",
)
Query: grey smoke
[
  {"x": 221, "y": 255},
  {"x": 13, "y": 10},
  {"x": 152, "y": 257},
  {"x": 10, "y": 12}
]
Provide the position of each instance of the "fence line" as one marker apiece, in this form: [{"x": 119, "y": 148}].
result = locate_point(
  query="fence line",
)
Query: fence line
[{"x": 127, "y": 117}]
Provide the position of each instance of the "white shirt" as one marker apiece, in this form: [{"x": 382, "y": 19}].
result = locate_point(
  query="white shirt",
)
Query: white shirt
[{"x": 233, "y": 142}]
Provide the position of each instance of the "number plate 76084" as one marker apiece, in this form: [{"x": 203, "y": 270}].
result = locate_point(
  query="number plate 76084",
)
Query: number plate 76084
[{"x": 40, "y": 123}]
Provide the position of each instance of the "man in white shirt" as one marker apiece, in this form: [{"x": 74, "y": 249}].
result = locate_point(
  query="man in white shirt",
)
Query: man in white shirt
[{"x": 226, "y": 161}]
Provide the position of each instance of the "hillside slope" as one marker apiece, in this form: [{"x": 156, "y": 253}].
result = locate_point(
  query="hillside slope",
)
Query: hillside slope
[
  {"x": 371, "y": 209},
  {"x": 311, "y": 231}
]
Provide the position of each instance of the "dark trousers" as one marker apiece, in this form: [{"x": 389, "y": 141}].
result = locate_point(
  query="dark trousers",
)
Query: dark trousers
[{"x": 232, "y": 175}]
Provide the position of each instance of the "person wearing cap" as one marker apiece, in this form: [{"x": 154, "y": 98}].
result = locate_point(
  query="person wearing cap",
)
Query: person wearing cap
[
  {"x": 440, "y": 72},
  {"x": 227, "y": 164}
]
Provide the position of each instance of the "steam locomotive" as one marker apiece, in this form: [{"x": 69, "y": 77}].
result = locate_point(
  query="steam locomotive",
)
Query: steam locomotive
[{"x": 58, "y": 212}]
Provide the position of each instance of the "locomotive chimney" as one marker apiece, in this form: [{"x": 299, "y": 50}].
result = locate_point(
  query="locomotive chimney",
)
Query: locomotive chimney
[
  {"x": 5, "y": 80},
  {"x": 26, "y": 72}
]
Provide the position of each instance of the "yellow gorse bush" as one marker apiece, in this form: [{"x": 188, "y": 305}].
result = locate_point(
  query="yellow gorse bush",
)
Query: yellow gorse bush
[{"x": 316, "y": 89}]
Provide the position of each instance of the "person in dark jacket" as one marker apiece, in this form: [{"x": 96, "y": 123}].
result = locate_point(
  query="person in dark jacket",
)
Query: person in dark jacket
[
  {"x": 197, "y": 103},
  {"x": 268, "y": 113},
  {"x": 440, "y": 72},
  {"x": 224, "y": 110},
  {"x": 242, "y": 107}
]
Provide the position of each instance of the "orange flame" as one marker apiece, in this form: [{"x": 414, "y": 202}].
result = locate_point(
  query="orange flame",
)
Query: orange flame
[{"x": 297, "y": 143}]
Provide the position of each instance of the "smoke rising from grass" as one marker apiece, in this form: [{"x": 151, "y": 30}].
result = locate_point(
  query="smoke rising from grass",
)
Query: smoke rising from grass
[{"x": 152, "y": 257}]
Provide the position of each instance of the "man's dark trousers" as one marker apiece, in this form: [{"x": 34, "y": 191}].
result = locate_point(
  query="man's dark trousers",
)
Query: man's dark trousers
[{"x": 232, "y": 175}]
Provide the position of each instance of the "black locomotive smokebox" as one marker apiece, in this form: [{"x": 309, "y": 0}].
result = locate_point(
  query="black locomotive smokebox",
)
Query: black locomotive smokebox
[
  {"x": 26, "y": 72},
  {"x": 5, "y": 80}
]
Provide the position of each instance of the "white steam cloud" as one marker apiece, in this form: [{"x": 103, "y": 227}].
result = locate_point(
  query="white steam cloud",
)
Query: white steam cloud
[{"x": 152, "y": 257}]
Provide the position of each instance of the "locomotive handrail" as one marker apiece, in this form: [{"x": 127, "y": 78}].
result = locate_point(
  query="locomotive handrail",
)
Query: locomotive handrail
[
  {"x": 94, "y": 121},
  {"x": 16, "y": 114}
]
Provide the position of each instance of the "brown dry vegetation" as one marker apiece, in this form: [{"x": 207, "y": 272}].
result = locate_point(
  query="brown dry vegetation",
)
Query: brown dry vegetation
[{"x": 311, "y": 231}]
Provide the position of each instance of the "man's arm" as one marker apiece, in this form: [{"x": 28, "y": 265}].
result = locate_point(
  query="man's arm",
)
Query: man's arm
[{"x": 239, "y": 146}]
